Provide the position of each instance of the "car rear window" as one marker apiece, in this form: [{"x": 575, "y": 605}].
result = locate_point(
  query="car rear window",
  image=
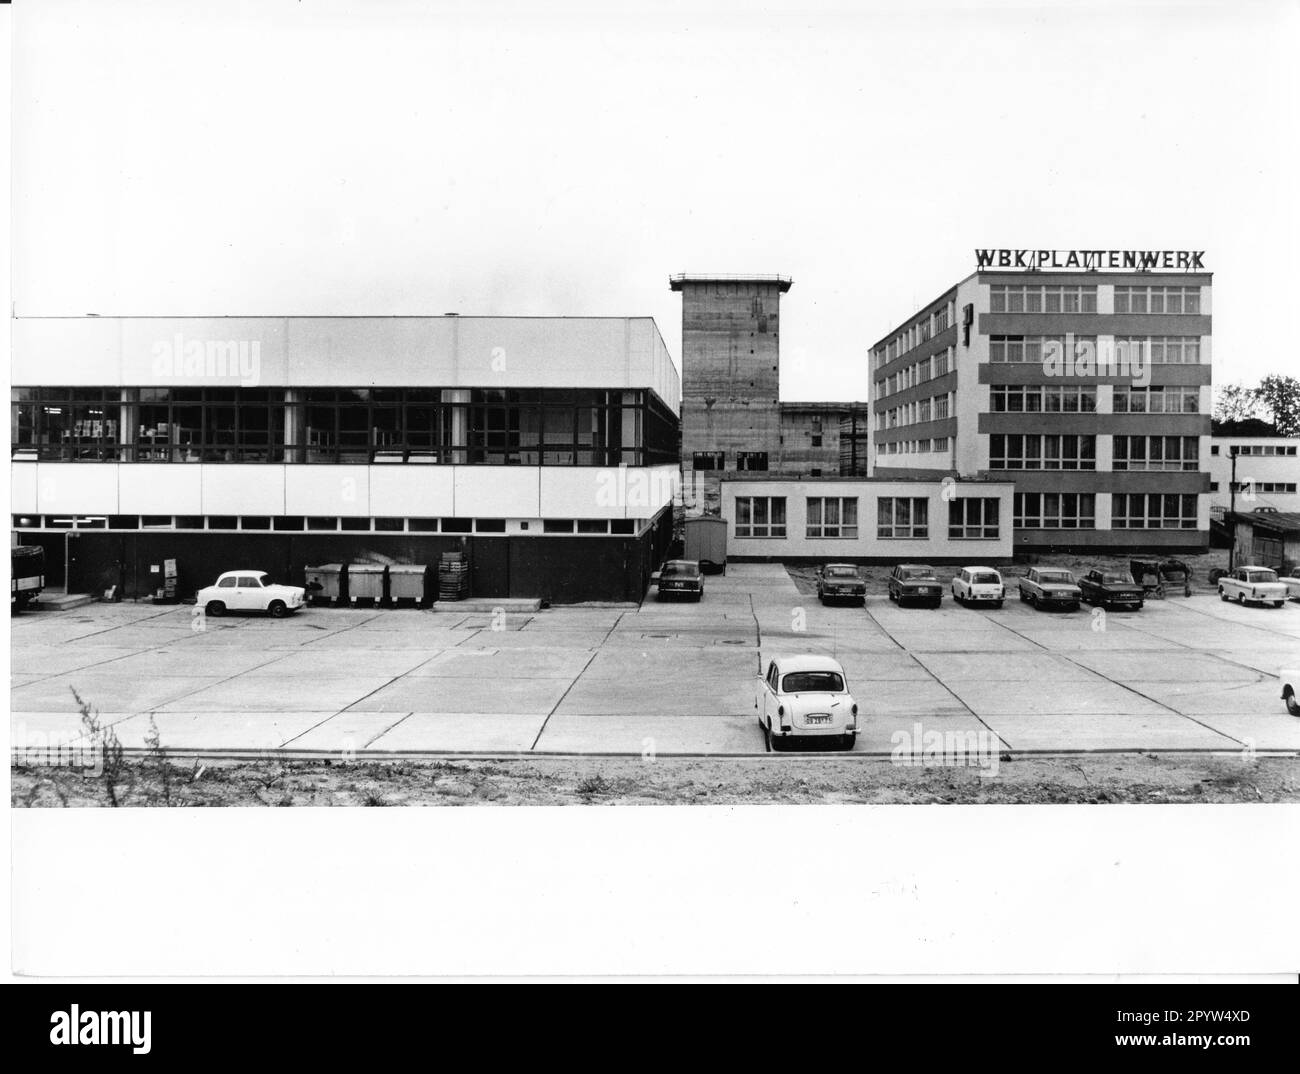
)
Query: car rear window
[
  {"x": 1118, "y": 578},
  {"x": 841, "y": 572},
  {"x": 985, "y": 579},
  {"x": 798, "y": 682},
  {"x": 680, "y": 570},
  {"x": 1055, "y": 577},
  {"x": 918, "y": 572},
  {"x": 1261, "y": 576}
]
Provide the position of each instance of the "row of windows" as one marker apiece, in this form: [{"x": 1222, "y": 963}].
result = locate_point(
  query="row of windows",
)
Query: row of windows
[
  {"x": 915, "y": 334},
  {"x": 320, "y": 524},
  {"x": 1124, "y": 352},
  {"x": 563, "y": 427},
  {"x": 1257, "y": 486},
  {"x": 745, "y": 460},
  {"x": 936, "y": 408},
  {"x": 1257, "y": 449},
  {"x": 1035, "y": 399},
  {"x": 1157, "y": 300},
  {"x": 1033, "y": 451},
  {"x": 1042, "y": 298},
  {"x": 1164, "y": 400},
  {"x": 1156, "y": 453},
  {"x": 914, "y": 447},
  {"x": 1054, "y": 510},
  {"x": 1152, "y": 511},
  {"x": 897, "y": 518},
  {"x": 936, "y": 365}
]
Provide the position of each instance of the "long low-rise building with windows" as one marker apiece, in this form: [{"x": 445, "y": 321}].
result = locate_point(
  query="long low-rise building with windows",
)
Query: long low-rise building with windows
[
  {"x": 1089, "y": 389},
  {"x": 543, "y": 447},
  {"x": 865, "y": 520}
]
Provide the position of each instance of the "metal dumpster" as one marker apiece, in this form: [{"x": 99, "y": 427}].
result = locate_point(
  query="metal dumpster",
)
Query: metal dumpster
[
  {"x": 408, "y": 581},
  {"x": 366, "y": 581},
  {"x": 325, "y": 583}
]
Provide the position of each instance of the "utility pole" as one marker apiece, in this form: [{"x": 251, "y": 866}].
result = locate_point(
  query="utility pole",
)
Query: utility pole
[{"x": 1232, "y": 508}]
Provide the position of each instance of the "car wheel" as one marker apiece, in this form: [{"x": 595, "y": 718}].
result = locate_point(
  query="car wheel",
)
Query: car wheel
[
  {"x": 276, "y": 609},
  {"x": 938, "y": 602},
  {"x": 699, "y": 597},
  {"x": 1278, "y": 603},
  {"x": 1022, "y": 596},
  {"x": 1292, "y": 705},
  {"x": 215, "y": 608},
  {"x": 848, "y": 741},
  {"x": 776, "y": 743},
  {"x": 997, "y": 604},
  {"x": 1241, "y": 599},
  {"x": 767, "y": 735},
  {"x": 1222, "y": 595}
]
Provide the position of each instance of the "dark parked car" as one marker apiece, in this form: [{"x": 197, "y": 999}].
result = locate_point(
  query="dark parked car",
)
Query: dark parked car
[
  {"x": 681, "y": 578},
  {"x": 915, "y": 581},
  {"x": 1111, "y": 589},
  {"x": 841, "y": 581}
]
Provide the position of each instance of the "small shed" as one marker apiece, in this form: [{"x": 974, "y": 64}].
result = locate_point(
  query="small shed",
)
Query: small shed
[{"x": 706, "y": 541}]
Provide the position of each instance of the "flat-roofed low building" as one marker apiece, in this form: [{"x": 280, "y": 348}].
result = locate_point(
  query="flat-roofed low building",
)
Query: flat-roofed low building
[
  {"x": 1267, "y": 473},
  {"x": 868, "y": 520},
  {"x": 546, "y": 448}
]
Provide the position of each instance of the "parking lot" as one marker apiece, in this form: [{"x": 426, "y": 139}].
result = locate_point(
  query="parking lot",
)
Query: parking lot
[{"x": 661, "y": 678}]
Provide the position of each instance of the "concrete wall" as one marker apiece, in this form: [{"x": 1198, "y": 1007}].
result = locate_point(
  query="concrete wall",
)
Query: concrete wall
[
  {"x": 867, "y": 546},
  {"x": 527, "y": 492},
  {"x": 483, "y": 352}
]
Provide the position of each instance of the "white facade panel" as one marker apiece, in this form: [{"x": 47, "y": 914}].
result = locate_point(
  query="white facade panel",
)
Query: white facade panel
[
  {"x": 22, "y": 487},
  {"x": 76, "y": 488},
  {"x": 159, "y": 490},
  {"x": 497, "y": 491},
  {"x": 412, "y": 491},
  {"x": 236, "y": 489},
  {"x": 327, "y": 490},
  {"x": 606, "y": 492}
]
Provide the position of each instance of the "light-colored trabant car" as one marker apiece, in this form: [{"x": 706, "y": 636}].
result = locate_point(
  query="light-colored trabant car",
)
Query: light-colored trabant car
[
  {"x": 806, "y": 697},
  {"x": 250, "y": 591},
  {"x": 1292, "y": 587},
  {"x": 1050, "y": 587},
  {"x": 841, "y": 581},
  {"x": 1253, "y": 585},
  {"x": 1290, "y": 679},
  {"x": 972, "y": 584}
]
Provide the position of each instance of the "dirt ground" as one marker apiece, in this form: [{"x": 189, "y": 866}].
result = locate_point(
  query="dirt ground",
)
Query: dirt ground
[{"x": 823, "y": 780}]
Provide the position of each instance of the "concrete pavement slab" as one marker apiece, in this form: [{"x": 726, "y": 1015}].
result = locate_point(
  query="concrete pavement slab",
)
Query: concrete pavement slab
[
  {"x": 462, "y": 732},
  {"x": 425, "y": 694},
  {"x": 886, "y": 733},
  {"x": 495, "y": 664},
  {"x": 906, "y": 701},
  {"x": 266, "y": 694},
  {"x": 108, "y": 691},
  {"x": 987, "y": 699},
  {"x": 649, "y": 735},
  {"x": 43, "y": 660},
  {"x": 526, "y": 639},
  {"x": 1195, "y": 698},
  {"x": 1170, "y": 667},
  {"x": 346, "y": 732},
  {"x": 1276, "y": 730},
  {"x": 342, "y": 664},
  {"x": 957, "y": 641},
  {"x": 179, "y": 660},
  {"x": 1165, "y": 731},
  {"x": 1004, "y": 667},
  {"x": 219, "y": 730}
]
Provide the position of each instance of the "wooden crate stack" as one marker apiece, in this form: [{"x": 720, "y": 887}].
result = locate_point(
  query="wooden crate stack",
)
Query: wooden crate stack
[{"x": 453, "y": 576}]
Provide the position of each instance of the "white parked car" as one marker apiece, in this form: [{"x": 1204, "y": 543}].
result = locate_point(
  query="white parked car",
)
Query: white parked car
[
  {"x": 1050, "y": 587},
  {"x": 1290, "y": 679},
  {"x": 250, "y": 591},
  {"x": 973, "y": 584},
  {"x": 1258, "y": 585},
  {"x": 806, "y": 697},
  {"x": 1292, "y": 587}
]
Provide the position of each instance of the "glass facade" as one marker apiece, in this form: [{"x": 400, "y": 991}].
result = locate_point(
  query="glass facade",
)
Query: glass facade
[{"x": 468, "y": 426}]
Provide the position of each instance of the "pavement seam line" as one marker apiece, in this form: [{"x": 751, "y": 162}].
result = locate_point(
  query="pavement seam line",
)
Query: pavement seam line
[{"x": 541, "y": 730}]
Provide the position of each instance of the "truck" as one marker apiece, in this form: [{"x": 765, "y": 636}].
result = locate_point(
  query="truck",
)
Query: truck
[{"x": 26, "y": 574}]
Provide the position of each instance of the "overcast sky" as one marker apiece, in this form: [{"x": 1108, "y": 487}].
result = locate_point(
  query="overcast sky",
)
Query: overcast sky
[{"x": 388, "y": 158}]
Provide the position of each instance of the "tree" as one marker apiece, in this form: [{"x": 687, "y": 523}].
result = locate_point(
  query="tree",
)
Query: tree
[
  {"x": 1281, "y": 396},
  {"x": 1235, "y": 402}
]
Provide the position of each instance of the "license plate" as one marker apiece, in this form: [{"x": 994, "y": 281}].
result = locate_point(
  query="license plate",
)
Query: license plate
[{"x": 811, "y": 720}]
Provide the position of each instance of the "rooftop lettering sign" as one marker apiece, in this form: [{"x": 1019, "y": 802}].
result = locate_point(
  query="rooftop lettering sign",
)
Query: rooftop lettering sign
[{"x": 1134, "y": 260}]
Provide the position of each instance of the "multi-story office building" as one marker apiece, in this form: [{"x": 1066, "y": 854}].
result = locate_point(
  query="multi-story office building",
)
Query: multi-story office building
[
  {"x": 545, "y": 448},
  {"x": 1090, "y": 389},
  {"x": 732, "y": 418},
  {"x": 1267, "y": 473}
]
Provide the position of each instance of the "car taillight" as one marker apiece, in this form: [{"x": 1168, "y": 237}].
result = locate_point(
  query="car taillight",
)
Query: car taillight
[{"x": 780, "y": 710}]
